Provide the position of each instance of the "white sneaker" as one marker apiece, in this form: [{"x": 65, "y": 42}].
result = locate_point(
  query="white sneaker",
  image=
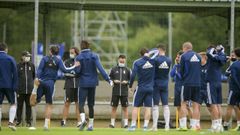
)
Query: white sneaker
[
  {"x": 12, "y": 126},
  {"x": 154, "y": 129},
  {"x": 167, "y": 128},
  {"x": 45, "y": 128}
]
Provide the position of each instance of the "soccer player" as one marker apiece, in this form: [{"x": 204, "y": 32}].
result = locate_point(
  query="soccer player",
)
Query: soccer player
[
  {"x": 87, "y": 71},
  {"x": 8, "y": 83},
  {"x": 232, "y": 103},
  {"x": 26, "y": 75},
  {"x": 190, "y": 70},
  {"x": 203, "y": 90},
  {"x": 120, "y": 75},
  {"x": 46, "y": 78},
  {"x": 71, "y": 88},
  {"x": 160, "y": 92},
  {"x": 144, "y": 69},
  {"x": 216, "y": 60}
]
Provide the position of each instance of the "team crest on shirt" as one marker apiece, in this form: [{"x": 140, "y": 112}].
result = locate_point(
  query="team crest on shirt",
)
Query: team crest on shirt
[
  {"x": 124, "y": 72},
  {"x": 116, "y": 72},
  {"x": 164, "y": 65},
  {"x": 147, "y": 65},
  {"x": 29, "y": 68},
  {"x": 194, "y": 59}
]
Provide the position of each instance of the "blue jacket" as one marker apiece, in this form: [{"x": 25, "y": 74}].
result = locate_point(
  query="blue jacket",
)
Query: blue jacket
[
  {"x": 176, "y": 75},
  {"x": 89, "y": 63},
  {"x": 190, "y": 68},
  {"x": 8, "y": 72},
  {"x": 203, "y": 77},
  {"x": 215, "y": 64},
  {"x": 46, "y": 72},
  {"x": 144, "y": 69},
  {"x": 235, "y": 76},
  {"x": 162, "y": 68}
]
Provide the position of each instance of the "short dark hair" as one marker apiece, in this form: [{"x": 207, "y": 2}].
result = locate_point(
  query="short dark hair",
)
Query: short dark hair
[
  {"x": 180, "y": 52},
  {"x": 3, "y": 46},
  {"x": 161, "y": 46},
  {"x": 76, "y": 50},
  {"x": 237, "y": 52},
  {"x": 143, "y": 51},
  {"x": 85, "y": 45},
  {"x": 211, "y": 46},
  {"x": 121, "y": 56},
  {"x": 54, "y": 49}
]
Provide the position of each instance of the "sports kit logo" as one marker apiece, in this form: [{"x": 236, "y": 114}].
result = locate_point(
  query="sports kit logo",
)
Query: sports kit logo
[
  {"x": 164, "y": 65},
  {"x": 147, "y": 65},
  {"x": 194, "y": 58}
]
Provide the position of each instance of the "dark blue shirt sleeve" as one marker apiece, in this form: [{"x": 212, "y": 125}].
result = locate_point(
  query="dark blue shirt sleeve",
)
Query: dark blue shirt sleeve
[
  {"x": 40, "y": 67},
  {"x": 101, "y": 70},
  {"x": 132, "y": 77},
  {"x": 63, "y": 68}
]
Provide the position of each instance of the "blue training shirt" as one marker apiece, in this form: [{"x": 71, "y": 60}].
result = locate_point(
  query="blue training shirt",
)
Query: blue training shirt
[
  {"x": 235, "y": 76},
  {"x": 8, "y": 72},
  {"x": 144, "y": 69},
  {"x": 162, "y": 68},
  {"x": 87, "y": 71},
  {"x": 215, "y": 64},
  {"x": 44, "y": 72},
  {"x": 190, "y": 68}
]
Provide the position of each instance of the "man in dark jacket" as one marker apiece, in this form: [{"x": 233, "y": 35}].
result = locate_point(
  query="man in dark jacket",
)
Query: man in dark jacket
[
  {"x": 26, "y": 75},
  {"x": 8, "y": 83},
  {"x": 89, "y": 63},
  {"x": 120, "y": 75},
  {"x": 71, "y": 87}
]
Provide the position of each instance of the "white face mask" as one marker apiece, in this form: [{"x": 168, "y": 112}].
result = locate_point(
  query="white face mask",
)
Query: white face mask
[
  {"x": 121, "y": 64},
  {"x": 27, "y": 59},
  {"x": 72, "y": 56}
]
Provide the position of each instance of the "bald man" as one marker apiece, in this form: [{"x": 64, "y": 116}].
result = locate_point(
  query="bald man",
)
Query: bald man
[{"x": 190, "y": 70}]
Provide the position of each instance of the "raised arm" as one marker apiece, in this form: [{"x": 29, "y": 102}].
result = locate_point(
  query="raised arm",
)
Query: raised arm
[{"x": 133, "y": 75}]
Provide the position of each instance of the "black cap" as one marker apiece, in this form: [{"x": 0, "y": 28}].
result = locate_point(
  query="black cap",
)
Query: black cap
[{"x": 26, "y": 53}]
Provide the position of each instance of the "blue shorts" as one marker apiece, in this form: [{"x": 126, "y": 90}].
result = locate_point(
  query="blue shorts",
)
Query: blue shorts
[
  {"x": 142, "y": 98},
  {"x": 233, "y": 98},
  {"x": 10, "y": 95},
  {"x": 177, "y": 95},
  {"x": 86, "y": 93},
  {"x": 160, "y": 93},
  {"x": 203, "y": 98},
  {"x": 46, "y": 88},
  {"x": 190, "y": 93},
  {"x": 214, "y": 92}
]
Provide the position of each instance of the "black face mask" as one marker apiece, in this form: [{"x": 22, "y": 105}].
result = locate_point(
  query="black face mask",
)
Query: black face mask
[{"x": 233, "y": 59}]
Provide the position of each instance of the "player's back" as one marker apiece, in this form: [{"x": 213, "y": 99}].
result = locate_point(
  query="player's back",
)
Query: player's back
[
  {"x": 215, "y": 65},
  {"x": 6, "y": 70},
  {"x": 162, "y": 68},
  {"x": 235, "y": 76},
  {"x": 145, "y": 72},
  {"x": 190, "y": 68}
]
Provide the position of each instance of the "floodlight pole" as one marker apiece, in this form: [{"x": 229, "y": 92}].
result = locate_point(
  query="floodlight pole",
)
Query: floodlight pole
[
  {"x": 232, "y": 26},
  {"x": 36, "y": 14},
  {"x": 170, "y": 35}
]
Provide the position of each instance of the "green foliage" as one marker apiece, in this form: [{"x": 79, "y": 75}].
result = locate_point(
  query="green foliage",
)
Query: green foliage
[{"x": 147, "y": 37}]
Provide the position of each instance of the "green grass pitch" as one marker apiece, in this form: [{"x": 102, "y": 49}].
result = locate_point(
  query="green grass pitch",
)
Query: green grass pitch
[{"x": 105, "y": 131}]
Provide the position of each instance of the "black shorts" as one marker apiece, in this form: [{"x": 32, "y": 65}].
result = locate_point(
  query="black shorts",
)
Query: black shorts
[
  {"x": 191, "y": 93},
  {"x": 71, "y": 95},
  {"x": 123, "y": 100}
]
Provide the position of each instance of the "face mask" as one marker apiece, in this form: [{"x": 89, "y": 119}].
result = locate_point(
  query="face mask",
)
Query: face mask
[
  {"x": 121, "y": 64},
  {"x": 72, "y": 56},
  {"x": 233, "y": 59},
  {"x": 27, "y": 59}
]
